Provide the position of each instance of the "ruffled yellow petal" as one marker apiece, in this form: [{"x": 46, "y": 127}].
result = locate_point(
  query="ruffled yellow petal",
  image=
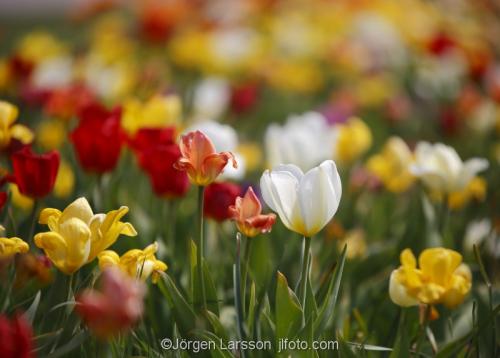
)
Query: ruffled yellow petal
[
  {"x": 22, "y": 133},
  {"x": 12, "y": 246}
]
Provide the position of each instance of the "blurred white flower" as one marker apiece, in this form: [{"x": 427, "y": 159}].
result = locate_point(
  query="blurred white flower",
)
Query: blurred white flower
[
  {"x": 53, "y": 73},
  {"x": 484, "y": 117},
  {"x": 225, "y": 139},
  {"x": 211, "y": 98},
  {"x": 306, "y": 202},
  {"x": 481, "y": 231},
  {"x": 441, "y": 169},
  {"x": 305, "y": 140}
]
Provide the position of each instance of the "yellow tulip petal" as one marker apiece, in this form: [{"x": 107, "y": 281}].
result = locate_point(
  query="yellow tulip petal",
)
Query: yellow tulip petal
[
  {"x": 48, "y": 213},
  {"x": 22, "y": 133}
]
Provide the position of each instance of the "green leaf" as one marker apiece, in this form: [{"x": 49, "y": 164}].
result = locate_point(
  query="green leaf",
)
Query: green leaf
[
  {"x": 251, "y": 309},
  {"x": 216, "y": 351},
  {"x": 75, "y": 342},
  {"x": 31, "y": 311},
  {"x": 402, "y": 343},
  {"x": 288, "y": 311},
  {"x": 328, "y": 306},
  {"x": 183, "y": 313},
  {"x": 217, "y": 326}
]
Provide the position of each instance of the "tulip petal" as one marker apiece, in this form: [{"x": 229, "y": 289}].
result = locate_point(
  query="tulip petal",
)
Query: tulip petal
[
  {"x": 279, "y": 190},
  {"x": 319, "y": 196},
  {"x": 80, "y": 208}
]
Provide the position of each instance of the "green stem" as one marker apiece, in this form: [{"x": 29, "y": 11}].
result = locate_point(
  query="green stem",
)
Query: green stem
[
  {"x": 305, "y": 270},
  {"x": 237, "y": 292},
  {"x": 244, "y": 275},
  {"x": 200, "y": 244},
  {"x": 33, "y": 220},
  {"x": 422, "y": 330}
]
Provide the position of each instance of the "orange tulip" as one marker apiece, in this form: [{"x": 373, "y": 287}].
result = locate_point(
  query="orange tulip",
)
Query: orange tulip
[
  {"x": 200, "y": 160},
  {"x": 247, "y": 212}
]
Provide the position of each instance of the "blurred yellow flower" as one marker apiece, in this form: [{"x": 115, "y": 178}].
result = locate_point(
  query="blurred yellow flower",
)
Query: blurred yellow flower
[
  {"x": 65, "y": 180},
  {"x": 9, "y": 130},
  {"x": 157, "y": 112},
  {"x": 135, "y": 263},
  {"x": 475, "y": 190},
  {"x": 11, "y": 246},
  {"x": 440, "y": 278},
  {"x": 356, "y": 243},
  {"x": 295, "y": 76},
  {"x": 390, "y": 165},
  {"x": 374, "y": 91},
  {"x": 19, "y": 200},
  {"x": 354, "y": 139},
  {"x": 51, "y": 134},
  {"x": 5, "y": 74},
  {"x": 252, "y": 154},
  {"x": 77, "y": 236},
  {"x": 37, "y": 46},
  {"x": 190, "y": 50}
]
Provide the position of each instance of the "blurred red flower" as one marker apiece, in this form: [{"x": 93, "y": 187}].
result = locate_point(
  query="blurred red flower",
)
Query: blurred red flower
[
  {"x": 146, "y": 138},
  {"x": 158, "y": 163},
  {"x": 244, "y": 97},
  {"x": 15, "y": 337},
  {"x": 98, "y": 139},
  {"x": 218, "y": 198},
  {"x": 34, "y": 174},
  {"x": 115, "y": 308}
]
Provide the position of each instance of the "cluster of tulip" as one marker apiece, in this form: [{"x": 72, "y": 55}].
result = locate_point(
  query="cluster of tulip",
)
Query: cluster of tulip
[{"x": 311, "y": 147}]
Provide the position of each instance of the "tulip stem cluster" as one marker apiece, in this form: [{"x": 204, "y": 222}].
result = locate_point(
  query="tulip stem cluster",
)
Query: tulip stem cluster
[
  {"x": 306, "y": 250},
  {"x": 199, "y": 248},
  {"x": 244, "y": 275}
]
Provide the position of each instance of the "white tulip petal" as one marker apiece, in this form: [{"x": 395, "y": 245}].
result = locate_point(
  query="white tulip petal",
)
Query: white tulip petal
[
  {"x": 279, "y": 190},
  {"x": 319, "y": 196},
  {"x": 398, "y": 294}
]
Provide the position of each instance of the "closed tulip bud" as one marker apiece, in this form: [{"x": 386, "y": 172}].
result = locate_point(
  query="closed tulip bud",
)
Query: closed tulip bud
[
  {"x": 98, "y": 139},
  {"x": 200, "y": 160},
  {"x": 306, "y": 202},
  {"x": 35, "y": 174},
  {"x": 441, "y": 169},
  {"x": 10, "y": 131},
  {"x": 114, "y": 309},
  {"x": 247, "y": 213}
]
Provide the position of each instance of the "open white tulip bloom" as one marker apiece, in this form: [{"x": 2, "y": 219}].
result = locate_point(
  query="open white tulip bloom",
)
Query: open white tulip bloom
[
  {"x": 441, "y": 169},
  {"x": 306, "y": 202}
]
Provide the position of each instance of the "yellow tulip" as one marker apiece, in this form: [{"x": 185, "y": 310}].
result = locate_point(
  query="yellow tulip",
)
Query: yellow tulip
[
  {"x": 354, "y": 139},
  {"x": 9, "y": 130},
  {"x": 65, "y": 180},
  {"x": 19, "y": 200},
  {"x": 77, "y": 235},
  {"x": 440, "y": 278},
  {"x": 11, "y": 246},
  {"x": 157, "y": 112},
  {"x": 51, "y": 134},
  {"x": 37, "y": 46},
  {"x": 136, "y": 263},
  {"x": 390, "y": 166}
]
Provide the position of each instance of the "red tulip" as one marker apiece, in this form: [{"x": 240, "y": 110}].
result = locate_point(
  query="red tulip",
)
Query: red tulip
[
  {"x": 158, "y": 162},
  {"x": 145, "y": 138},
  {"x": 244, "y": 97},
  {"x": 35, "y": 174},
  {"x": 15, "y": 337},
  {"x": 98, "y": 139},
  {"x": 114, "y": 309},
  {"x": 218, "y": 198},
  {"x": 68, "y": 101}
]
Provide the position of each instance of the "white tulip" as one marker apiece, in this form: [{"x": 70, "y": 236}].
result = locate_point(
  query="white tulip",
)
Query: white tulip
[
  {"x": 306, "y": 202},
  {"x": 211, "y": 98},
  {"x": 304, "y": 140},
  {"x": 53, "y": 73},
  {"x": 441, "y": 169},
  {"x": 398, "y": 293}
]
